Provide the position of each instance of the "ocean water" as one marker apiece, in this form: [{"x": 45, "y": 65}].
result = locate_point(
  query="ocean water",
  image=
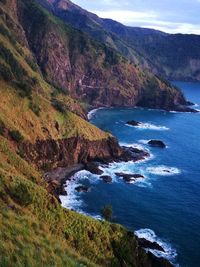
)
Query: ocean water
[{"x": 165, "y": 206}]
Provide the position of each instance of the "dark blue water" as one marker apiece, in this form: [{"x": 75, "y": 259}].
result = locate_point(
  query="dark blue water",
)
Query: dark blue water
[{"x": 167, "y": 203}]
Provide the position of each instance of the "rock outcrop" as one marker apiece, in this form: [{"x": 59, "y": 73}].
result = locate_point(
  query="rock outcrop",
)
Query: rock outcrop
[
  {"x": 133, "y": 123},
  {"x": 106, "y": 178},
  {"x": 50, "y": 154},
  {"x": 157, "y": 143},
  {"x": 90, "y": 71},
  {"x": 129, "y": 177}
]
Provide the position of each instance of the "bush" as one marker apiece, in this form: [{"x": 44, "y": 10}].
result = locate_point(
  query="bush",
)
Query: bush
[
  {"x": 25, "y": 90},
  {"x": 32, "y": 63},
  {"x": 5, "y": 73},
  {"x": 8, "y": 57},
  {"x": 59, "y": 106},
  {"x": 35, "y": 108},
  {"x": 16, "y": 136},
  {"x": 107, "y": 212},
  {"x": 2, "y": 128},
  {"x": 21, "y": 194},
  {"x": 7, "y": 34}
]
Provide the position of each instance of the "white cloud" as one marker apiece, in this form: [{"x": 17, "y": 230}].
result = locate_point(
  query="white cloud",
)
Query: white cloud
[
  {"x": 148, "y": 20},
  {"x": 126, "y": 16}
]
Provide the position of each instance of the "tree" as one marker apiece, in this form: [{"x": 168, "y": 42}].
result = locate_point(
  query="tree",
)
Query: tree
[{"x": 107, "y": 212}]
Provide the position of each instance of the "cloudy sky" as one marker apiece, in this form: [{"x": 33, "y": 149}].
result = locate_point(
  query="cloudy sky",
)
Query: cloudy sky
[{"x": 174, "y": 16}]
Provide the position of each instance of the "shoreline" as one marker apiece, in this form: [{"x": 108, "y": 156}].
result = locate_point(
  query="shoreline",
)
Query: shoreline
[
  {"x": 185, "y": 109},
  {"x": 91, "y": 112}
]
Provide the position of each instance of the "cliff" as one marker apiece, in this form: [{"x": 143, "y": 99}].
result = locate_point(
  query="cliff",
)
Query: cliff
[
  {"x": 89, "y": 71},
  {"x": 51, "y": 154},
  {"x": 172, "y": 56},
  {"x": 49, "y": 74}
]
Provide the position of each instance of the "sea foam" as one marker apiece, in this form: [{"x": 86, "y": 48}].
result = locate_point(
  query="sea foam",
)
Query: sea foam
[
  {"x": 164, "y": 170},
  {"x": 92, "y": 112},
  {"x": 169, "y": 252},
  {"x": 149, "y": 126},
  {"x": 73, "y": 199}
]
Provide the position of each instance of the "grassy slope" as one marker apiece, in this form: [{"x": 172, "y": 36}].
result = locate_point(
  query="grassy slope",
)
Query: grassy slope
[
  {"x": 34, "y": 229},
  {"x": 16, "y": 113}
]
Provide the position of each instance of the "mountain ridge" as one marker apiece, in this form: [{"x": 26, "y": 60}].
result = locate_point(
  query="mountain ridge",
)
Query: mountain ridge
[{"x": 172, "y": 56}]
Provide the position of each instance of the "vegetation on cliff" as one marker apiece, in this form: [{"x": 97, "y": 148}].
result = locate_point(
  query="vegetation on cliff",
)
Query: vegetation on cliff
[
  {"x": 173, "y": 56},
  {"x": 49, "y": 74}
]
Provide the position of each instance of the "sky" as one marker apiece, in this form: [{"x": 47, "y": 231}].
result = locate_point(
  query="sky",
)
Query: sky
[{"x": 172, "y": 16}]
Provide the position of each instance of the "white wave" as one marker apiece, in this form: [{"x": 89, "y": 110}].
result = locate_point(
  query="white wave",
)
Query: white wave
[
  {"x": 149, "y": 126},
  {"x": 143, "y": 141},
  {"x": 92, "y": 112},
  {"x": 164, "y": 170},
  {"x": 73, "y": 199},
  {"x": 173, "y": 111},
  {"x": 126, "y": 167},
  {"x": 195, "y": 105},
  {"x": 141, "y": 147},
  {"x": 134, "y": 145},
  {"x": 148, "y": 234}
]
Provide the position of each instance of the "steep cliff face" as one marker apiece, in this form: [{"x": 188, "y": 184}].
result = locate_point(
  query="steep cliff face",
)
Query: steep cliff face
[
  {"x": 39, "y": 131},
  {"x": 51, "y": 154},
  {"x": 172, "y": 56},
  {"x": 89, "y": 71}
]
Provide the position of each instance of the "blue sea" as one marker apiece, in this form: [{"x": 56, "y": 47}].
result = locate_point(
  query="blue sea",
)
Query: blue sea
[{"x": 165, "y": 206}]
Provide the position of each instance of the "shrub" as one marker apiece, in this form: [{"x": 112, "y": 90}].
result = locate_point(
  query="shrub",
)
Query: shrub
[
  {"x": 7, "y": 34},
  {"x": 59, "y": 106},
  {"x": 107, "y": 212},
  {"x": 25, "y": 90},
  {"x": 21, "y": 194},
  {"x": 8, "y": 57},
  {"x": 16, "y": 136},
  {"x": 111, "y": 57},
  {"x": 32, "y": 63},
  {"x": 35, "y": 108},
  {"x": 5, "y": 73},
  {"x": 2, "y": 128}
]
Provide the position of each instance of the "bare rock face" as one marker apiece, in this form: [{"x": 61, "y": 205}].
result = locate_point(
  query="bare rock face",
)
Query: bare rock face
[
  {"x": 91, "y": 72},
  {"x": 50, "y": 154}
]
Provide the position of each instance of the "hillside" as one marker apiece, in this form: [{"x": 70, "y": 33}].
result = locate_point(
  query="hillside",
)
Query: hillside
[
  {"x": 34, "y": 229},
  {"x": 88, "y": 70},
  {"x": 172, "y": 56},
  {"x": 50, "y": 74}
]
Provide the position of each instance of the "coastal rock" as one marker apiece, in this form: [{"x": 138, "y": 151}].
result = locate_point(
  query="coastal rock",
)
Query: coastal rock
[
  {"x": 128, "y": 178},
  {"x": 93, "y": 168},
  {"x": 82, "y": 189},
  {"x": 106, "y": 178},
  {"x": 157, "y": 143},
  {"x": 186, "y": 109},
  {"x": 76, "y": 150},
  {"x": 133, "y": 154},
  {"x": 133, "y": 123},
  {"x": 189, "y": 103},
  {"x": 148, "y": 244},
  {"x": 159, "y": 261}
]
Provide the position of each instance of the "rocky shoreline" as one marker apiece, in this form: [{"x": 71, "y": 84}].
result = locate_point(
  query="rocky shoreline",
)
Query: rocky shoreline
[
  {"x": 57, "y": 178},
  {"x": 57, "y": 181}
]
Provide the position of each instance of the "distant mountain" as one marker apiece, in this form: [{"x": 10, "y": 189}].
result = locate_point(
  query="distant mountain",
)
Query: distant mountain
[{"x": 172, "y": 56}]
